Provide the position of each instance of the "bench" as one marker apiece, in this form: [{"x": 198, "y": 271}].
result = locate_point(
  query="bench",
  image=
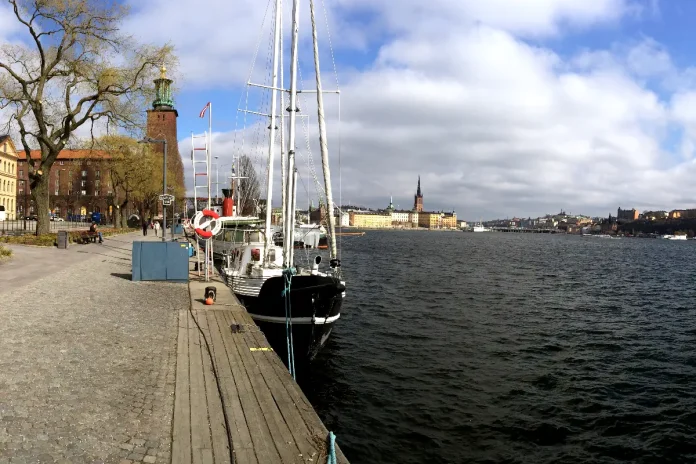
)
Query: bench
[{"x": 87, "y": 237}]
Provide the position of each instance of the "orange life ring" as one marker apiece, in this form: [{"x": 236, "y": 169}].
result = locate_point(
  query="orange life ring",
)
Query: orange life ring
[{"x": 204, "y": 233}]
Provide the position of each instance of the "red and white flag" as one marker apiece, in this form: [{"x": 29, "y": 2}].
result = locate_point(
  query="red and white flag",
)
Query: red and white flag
[{"x": 205, "y": 108}]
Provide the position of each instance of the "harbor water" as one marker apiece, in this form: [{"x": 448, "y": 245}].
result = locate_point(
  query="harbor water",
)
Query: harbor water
[{"x": 511, "y": 348}]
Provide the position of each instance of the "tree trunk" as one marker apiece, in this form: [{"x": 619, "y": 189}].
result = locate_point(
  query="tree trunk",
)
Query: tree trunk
[
  {"x": 39, "y": 193},
  {"x": 123, "y": 214},
  {"x": 117, "y": 216}
]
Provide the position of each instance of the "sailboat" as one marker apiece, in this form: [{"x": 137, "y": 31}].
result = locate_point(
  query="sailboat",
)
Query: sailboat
[{"x": 295, "y": 307}]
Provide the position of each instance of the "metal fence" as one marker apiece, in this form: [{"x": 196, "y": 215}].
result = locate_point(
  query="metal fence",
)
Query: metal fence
[{"x": 29, "y": 226}]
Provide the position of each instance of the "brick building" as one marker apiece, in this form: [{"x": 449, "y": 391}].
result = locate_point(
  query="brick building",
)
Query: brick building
[
  {"x": 161, "y": 124},
  {"x": 79, "y": 184}
]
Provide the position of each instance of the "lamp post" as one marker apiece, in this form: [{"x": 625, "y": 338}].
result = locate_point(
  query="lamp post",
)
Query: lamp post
[
  {"x": 217, "y": 178},
  {"x": 164, "y": 179}
]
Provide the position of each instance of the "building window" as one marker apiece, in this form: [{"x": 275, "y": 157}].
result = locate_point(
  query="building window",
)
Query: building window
[
  {"x": 61, "y": 163},
  {"x": 21, "y": 173},
  {"x": 84, "y": 192},
  {"x": 97, "y": 173},
  {"x": 96, "y": 184},
  {"x": 84, "y": 173},
  {"x": 56, "y": 192},
  {"x": 84, "y": 183}
]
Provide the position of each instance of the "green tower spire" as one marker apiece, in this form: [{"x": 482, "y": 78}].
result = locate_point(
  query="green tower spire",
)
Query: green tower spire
[{"x": 163, "y": 91}]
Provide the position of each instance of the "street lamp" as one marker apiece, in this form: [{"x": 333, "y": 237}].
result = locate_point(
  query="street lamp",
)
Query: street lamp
[
  {"x": 217, "y": 178},
  {"x": 164, "y": 179}
]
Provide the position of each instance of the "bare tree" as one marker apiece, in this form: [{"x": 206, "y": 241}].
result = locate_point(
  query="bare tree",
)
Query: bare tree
[
  {"x": 74, "y": 68},
  {"x": 248, "y": 187}
]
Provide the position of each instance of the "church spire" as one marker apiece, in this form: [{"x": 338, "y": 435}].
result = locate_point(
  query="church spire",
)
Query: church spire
[
  {"x": 163, "y": 91},
  {"x": 418, "y": 192}
]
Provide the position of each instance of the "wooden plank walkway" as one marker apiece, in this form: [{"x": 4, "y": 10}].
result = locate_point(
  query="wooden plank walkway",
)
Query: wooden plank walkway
[{"x": 235, "y": 400}]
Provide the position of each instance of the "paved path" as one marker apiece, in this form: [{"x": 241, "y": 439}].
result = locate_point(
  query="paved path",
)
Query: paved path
[{"x": 87, "y": 357}]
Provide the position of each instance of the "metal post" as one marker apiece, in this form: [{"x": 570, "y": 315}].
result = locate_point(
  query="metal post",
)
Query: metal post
[
  {"x": 164, "y": 191},
  {"x": 217, "y": 178}
]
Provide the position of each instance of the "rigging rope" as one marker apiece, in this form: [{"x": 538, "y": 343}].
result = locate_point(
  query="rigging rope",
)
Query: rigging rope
[
  {"x": 331, "y": 459},
  {"x": 287, "y": 275}
]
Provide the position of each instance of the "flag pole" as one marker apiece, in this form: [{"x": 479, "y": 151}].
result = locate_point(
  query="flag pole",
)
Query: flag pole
[{"x": 210, "y": 147}]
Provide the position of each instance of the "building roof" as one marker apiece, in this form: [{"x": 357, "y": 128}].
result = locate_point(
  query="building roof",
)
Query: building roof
[
  {"x": 69, "y": 154},
  {"x": 443, "y": 213},
  {"x": 4, "y": 137},
  {"x": 371, "y": 213}
]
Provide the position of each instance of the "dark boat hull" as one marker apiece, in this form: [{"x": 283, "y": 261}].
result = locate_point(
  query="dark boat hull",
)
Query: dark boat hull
[{"x": 316, "y": 302}]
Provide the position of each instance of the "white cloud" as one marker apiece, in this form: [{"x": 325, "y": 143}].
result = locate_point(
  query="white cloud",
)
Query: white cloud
[{"x": 493, "y": 124}]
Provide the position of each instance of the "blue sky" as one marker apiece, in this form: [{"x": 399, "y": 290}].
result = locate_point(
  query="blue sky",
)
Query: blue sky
[{"x": 502, "y": 109}]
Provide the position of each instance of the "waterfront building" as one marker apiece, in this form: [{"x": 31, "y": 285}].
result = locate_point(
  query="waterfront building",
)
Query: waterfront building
[
  {"x": 400, "y": 217},
  {"x": 413, "y": 218},
  {"x": 370, "y": 219},
  {"x": 8, "y": 177},
  {"x": 627, "y": 214},
  {"x": 429, "y": 220},
  {"x": 449, "y": 220}
]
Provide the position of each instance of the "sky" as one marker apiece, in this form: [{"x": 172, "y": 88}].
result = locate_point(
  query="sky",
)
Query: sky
[{"x": 503, "y": 108}]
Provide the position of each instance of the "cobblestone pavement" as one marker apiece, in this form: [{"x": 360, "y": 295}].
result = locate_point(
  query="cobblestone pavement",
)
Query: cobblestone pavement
[{"x": 87, "y": 364}]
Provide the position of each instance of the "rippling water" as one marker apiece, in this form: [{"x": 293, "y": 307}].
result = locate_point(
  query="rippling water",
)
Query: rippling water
[{"x": 518, "y": 348}]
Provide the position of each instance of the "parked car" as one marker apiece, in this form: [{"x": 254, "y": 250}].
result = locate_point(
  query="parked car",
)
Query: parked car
[
  {"x": 57, "y": 219},
  {"x": 31, "y": 217}
]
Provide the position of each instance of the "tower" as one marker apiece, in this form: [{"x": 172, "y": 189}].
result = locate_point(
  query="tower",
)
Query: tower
[
  {"x": 418, "y": 199},
  {"x": 161, "y": 124}
]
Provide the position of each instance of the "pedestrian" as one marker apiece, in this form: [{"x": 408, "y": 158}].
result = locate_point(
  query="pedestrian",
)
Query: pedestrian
[
  {"x": 144, "y": 227},
  {"x": 93, "y": 229},
  {"x": 157, "y": 228}
]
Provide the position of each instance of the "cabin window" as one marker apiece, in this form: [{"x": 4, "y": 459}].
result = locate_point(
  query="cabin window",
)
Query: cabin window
[
  {"x": 255, "y": 254},
  {"x": 272, "y": 256}
]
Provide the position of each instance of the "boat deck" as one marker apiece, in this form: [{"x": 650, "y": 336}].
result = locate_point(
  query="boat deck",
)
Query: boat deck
[{"x": 235, "y": 400}]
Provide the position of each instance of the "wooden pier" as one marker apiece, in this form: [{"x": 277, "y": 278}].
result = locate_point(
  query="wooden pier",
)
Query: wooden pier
[{"x": 235, "y": 400}]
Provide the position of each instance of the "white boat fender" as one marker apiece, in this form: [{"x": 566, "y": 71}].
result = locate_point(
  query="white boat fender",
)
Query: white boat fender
[{"x": 315, "y": 266}]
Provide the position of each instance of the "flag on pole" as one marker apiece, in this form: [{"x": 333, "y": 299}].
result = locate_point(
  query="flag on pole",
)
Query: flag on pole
[{"x": 205, "y": 108}]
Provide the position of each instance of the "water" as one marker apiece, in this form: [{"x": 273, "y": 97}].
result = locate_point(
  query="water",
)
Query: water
[{"x": 514, "y": 348}]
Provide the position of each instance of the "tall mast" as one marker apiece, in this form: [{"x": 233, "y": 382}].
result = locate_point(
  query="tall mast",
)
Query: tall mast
[
  {"x": 283, "y": 161},
  {"x": 288, "y": 238},
  {"x": 268, "y": 240},
  {"x": 322, "y": 140}
]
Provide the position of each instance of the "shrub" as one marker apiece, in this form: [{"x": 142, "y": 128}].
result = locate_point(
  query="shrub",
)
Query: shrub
[{"x": 5, "y": 252}]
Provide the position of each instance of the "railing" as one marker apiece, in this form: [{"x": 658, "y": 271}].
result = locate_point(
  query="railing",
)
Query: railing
[{"x": 16, "y": 226}]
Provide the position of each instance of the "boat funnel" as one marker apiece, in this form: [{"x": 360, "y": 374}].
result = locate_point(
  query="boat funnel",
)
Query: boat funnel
[{"x": 227, "y": 203}]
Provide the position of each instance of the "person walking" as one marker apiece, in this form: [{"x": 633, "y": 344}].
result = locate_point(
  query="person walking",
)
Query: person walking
[
  {"x": 157, "y": 228},
  {"x": 144, "y": 227}
]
